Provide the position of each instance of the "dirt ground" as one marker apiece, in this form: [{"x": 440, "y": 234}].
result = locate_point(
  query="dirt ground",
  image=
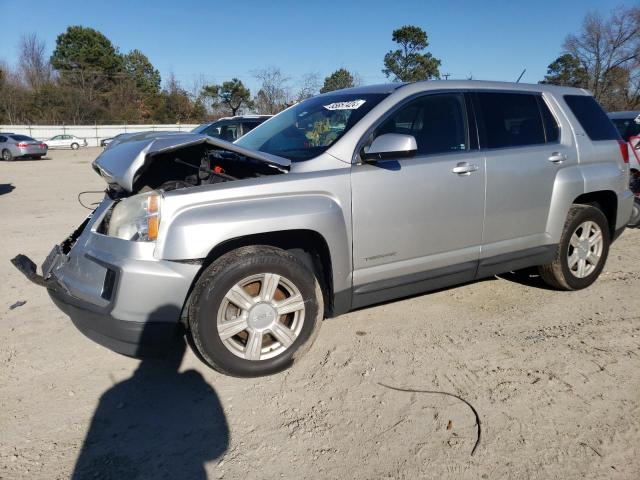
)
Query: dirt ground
[{"x": 553, "y": 376}]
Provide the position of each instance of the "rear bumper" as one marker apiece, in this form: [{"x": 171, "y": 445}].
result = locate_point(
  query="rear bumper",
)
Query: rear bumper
[
  {"x": 625, "y": 208},
  {"x": 32, "y": 151}
]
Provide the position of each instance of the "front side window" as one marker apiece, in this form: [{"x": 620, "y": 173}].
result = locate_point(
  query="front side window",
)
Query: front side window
[
  {"x": 509, "y": 119},
  {"x": 309, "y": 128},
  {"x": 438, "y": 123}
]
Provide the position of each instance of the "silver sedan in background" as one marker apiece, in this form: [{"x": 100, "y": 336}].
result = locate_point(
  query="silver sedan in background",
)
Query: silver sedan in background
[
  {"x": 66, "y": 141},
  {"x": 14, "y": 146}
]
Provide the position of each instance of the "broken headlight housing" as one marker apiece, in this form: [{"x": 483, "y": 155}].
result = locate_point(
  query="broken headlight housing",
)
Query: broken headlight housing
[{"x": 136, "y": 218}]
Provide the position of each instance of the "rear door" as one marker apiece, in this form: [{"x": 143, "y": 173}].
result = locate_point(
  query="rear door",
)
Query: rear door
[{"x": 524, "y": 151}]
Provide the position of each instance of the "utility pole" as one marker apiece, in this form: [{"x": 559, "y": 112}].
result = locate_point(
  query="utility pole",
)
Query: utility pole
[{"x": 446, "y": 76}]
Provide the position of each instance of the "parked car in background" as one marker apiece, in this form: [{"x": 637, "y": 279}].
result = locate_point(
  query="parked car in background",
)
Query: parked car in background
[
  {"x": 231, "y": 128},
  {"x": 347, "y": 199},
  {"x": 628, "y": 124},
  {"x": 13, "y": 146},
  {"x": 66, "y": 141},
  {"x": 106, "y": 141}
]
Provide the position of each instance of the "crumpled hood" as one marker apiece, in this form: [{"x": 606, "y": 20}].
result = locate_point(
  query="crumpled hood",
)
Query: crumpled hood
[{"x": 127, "y": 156}]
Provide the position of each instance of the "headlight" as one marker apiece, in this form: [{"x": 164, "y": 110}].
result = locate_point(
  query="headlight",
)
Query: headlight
[{"x": 136, "y": 218}]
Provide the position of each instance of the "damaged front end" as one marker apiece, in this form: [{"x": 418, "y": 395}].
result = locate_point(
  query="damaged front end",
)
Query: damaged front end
[{"x": 100, "y": 274}]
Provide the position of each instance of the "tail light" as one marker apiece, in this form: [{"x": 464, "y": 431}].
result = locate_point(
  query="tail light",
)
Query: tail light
[
  {"x": 624, "y": 150},
  {"x": 23, "y": 145},
  {"x": 42, "y": 145}
]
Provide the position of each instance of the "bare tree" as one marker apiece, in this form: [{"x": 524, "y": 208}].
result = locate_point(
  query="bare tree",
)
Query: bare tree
[
  {"x": 608, "y": 49},
  {"x": 13, "y": 96},
  {"x": 309, "y": 86},
  {"x": 34, "y": 65},
  {"x": 274, "y": 94}
]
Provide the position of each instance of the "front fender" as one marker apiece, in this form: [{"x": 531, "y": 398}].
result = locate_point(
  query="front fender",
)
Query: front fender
[{"x": 195, "y": 230}]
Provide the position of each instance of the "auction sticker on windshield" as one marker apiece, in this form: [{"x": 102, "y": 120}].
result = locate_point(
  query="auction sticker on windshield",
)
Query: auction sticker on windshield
[{"x": 350, "y": 105}]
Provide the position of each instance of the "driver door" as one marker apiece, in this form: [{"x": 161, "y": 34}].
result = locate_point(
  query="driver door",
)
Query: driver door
[{"x": 417, "y": 222}]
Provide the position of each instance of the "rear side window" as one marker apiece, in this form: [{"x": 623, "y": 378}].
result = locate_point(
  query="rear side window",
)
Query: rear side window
[
  {"x": 248, "y": 126},
  {"x": 592, "y": 118},
  {"x": 509, "y": 119},
  {"x": 437, "y": 122}
]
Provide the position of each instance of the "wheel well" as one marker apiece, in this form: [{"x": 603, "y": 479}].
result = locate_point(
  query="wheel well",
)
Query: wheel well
[
  {"x": 307, "y": 245},
  {"x": 606, "y": 201}
]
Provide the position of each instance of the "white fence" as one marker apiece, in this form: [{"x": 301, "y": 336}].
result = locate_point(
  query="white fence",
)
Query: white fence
[{"x": 93, "y": 133}]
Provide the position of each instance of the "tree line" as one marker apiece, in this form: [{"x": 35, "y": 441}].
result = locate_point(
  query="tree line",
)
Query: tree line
[
  {"x": 87, "y": 79},
  {"x": 603, "y": 57}
]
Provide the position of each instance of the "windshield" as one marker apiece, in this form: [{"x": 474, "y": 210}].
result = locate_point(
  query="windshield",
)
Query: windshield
[{"x": 307, "y": 129}]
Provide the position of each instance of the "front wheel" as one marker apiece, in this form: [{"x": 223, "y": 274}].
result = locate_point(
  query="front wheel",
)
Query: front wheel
[
  {"x": 582, "y": 251},
  {"x": 254, "y": 311}
]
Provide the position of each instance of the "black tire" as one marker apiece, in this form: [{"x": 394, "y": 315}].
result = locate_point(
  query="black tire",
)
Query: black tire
[
  {"x": 7, "y": 156},
  {"x": 634, "y": 221},
  {"x": 558, "y": 274},
  {"x": 38, "y": 157},
  {"x": 219, "y": 278},
  {"x": 75, "y": 146}
]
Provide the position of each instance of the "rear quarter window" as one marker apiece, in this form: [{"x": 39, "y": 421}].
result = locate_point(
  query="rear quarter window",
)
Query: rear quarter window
[{"x": 596, "y": 124}]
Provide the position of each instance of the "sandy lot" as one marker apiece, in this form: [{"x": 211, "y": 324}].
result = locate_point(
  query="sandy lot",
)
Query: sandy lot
[{"x": 554, "y": 377}]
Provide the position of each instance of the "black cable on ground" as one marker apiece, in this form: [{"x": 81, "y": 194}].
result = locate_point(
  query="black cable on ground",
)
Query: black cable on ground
[{"x": 479, "y": 429}]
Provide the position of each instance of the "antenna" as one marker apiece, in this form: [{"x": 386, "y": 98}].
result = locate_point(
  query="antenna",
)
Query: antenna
[{"x": 518, "y": 80}]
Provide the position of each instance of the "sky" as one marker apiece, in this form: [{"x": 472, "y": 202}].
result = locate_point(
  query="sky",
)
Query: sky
[{"x": 213, "y": 41}]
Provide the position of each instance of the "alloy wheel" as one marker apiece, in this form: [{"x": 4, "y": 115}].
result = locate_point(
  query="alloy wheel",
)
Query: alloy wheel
[
  {"x": 585, "y": 249},
  {"x": 261, "y": 316}
]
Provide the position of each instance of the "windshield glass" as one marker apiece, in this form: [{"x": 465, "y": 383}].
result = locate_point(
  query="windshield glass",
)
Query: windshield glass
[{"x": 307, "y": 129}]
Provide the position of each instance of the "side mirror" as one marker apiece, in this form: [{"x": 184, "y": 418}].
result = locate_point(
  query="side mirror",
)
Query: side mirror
[{"x": 391, "y": 146}]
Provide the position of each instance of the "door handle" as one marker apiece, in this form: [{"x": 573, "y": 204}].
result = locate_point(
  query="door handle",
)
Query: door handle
[
  {"x": 464, "y": 168},
  {"x": 557, "y": 157}
]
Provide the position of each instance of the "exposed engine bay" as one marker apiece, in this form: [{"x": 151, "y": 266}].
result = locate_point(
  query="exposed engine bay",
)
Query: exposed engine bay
[
  {"x": 136, "y": 163},
  {"x": 198, "y": 165}
]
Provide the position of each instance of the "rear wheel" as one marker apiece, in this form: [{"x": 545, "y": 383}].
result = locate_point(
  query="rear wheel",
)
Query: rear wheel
[
  {"x": 7, "y": 156},
  {"x": 582, "y": 251},
  {"x": 254, "y": 311},
  {"x": 74, "y": 146}
]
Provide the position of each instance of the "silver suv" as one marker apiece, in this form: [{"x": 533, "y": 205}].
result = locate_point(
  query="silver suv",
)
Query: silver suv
[{"x": 344, "y": 200}]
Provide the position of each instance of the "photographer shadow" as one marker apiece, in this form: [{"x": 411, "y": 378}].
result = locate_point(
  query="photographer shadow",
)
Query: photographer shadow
[{"x": 159, "y": 423}]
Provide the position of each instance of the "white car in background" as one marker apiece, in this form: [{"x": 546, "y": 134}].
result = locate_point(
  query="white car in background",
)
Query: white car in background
[{"x": 66, "y": 141}]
